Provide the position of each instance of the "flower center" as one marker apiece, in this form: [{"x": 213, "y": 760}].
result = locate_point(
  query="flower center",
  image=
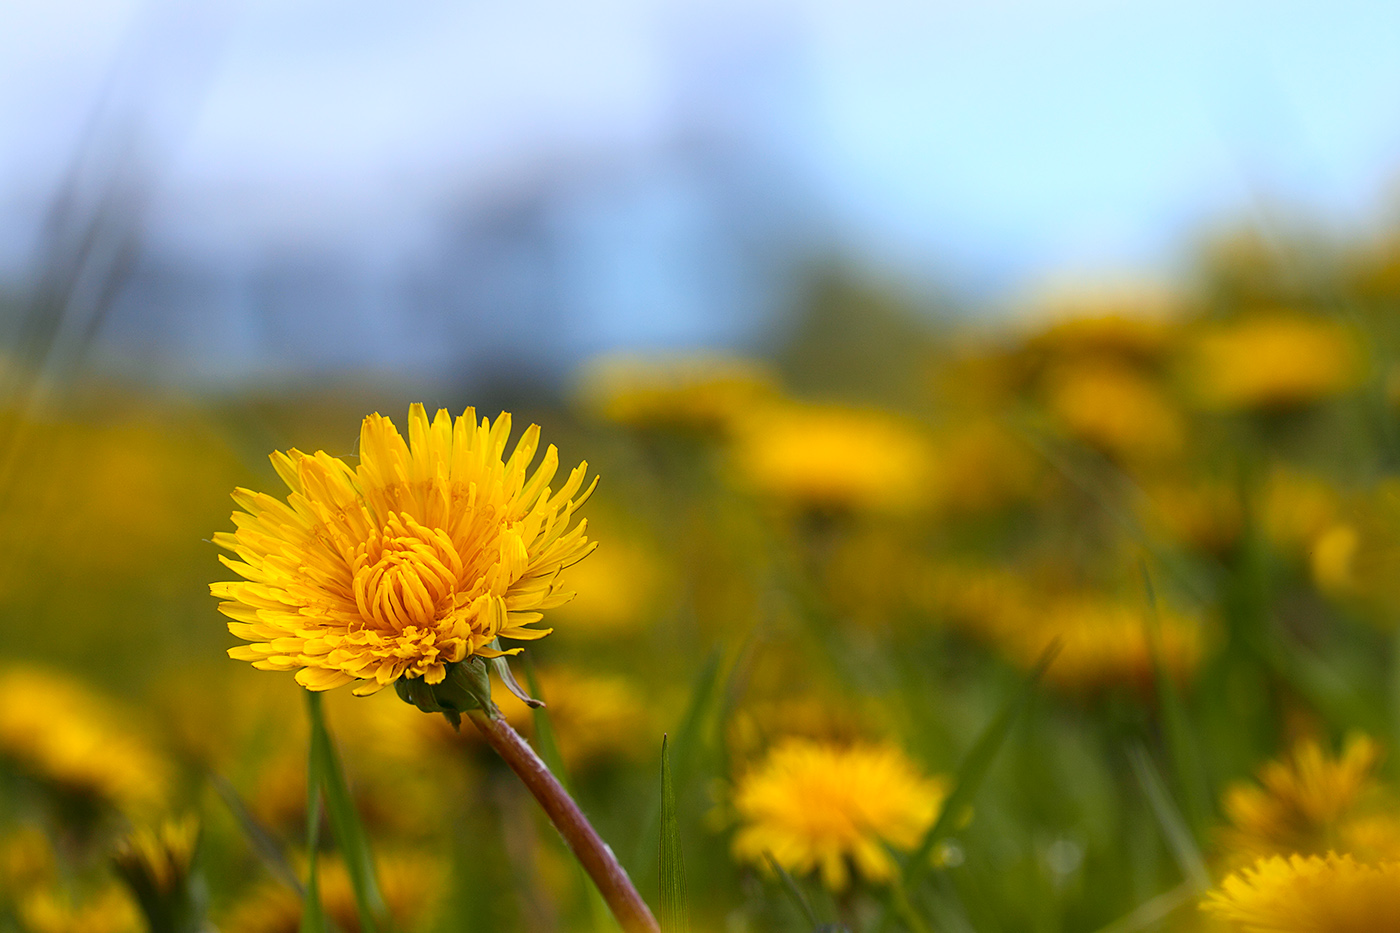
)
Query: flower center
[{"x": 405, "y": 574}]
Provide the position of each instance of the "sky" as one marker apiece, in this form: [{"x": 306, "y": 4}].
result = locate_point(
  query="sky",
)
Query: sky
[{"x": 989, "y": 146}]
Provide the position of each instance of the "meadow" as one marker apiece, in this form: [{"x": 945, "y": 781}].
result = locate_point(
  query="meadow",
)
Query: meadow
[{"x": 1082, "y": 621}]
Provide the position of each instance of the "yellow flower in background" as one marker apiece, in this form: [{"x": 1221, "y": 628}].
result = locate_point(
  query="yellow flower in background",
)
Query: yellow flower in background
[
  {"x": 1311, "y": 802},
  {"x": 705, "y": 392},
  {"x": 411, "y": 886},
  {"x": 1356, "y": 558},
  {"x": 1201, "y": 513},
  {"x": 822, "y": 807},
  {"x": 77, "y": 741},
  {"x": 1116, "y": 408},
  {"x": 595, "y": 716},
  {"x": 108, "y": 910},
  {"x": 831, "y": 457},
  {"x": 1312, "y": 894},
  {"x": 26, "y": 860},
  {"x": 1295, "y": 508},
  {"x": 1278, "y": 360},
  {"x": 618, "y": 589},
  {"x": 982, "y": 466},
  {"x": 421, "y": 556},
  {"x": 1104, "y": 641},
  {"x": 157, "y": 859}
]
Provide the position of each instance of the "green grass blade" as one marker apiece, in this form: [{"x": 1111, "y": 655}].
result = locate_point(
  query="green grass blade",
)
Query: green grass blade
[
  {"x": 973, "y": 770},
  {"x": 1181, "y": 741},
  {"x": 1174, "y": 829},
  {"x": 793, "y": 892},
  {"x": 686, "y": 745},
  {"x": 675, "y": 917},
  {"x": 313, "y": 920},
  {"x": 345, "y": 822},
  {"x": 1152, "y": 913},
  {"x": 260, "y": 838}
]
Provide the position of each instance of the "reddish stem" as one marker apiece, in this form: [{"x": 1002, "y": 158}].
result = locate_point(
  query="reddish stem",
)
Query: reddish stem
[{"x": 588, "y": 847}]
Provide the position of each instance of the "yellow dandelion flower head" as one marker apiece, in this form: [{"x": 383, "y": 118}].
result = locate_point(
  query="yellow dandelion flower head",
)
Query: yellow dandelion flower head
[
  {"x": 1205, "y": 514},
  {"x": 982, "y": 466},
  {"x": 1355, "y": 559},
  {"x": 1278, "y": 360},
  {"x": 831, "y": 457},
  {"x": 1295, "y": 508},
  {"x": 1309, "y": 894},
  {"x": 817, "y": 807},
  {"x": 1104, "y": 642},
  {"x": 410, "y": 884},
  {"x": 421, "y": 556},
  {"x": 108, "y": 910},
  {"x": 1116, "y": 408},
  {"x": 618, "y": 588},
  {"x": 157, "y": 859},
  {"x": 702, "y": 391},
  {"x": 71, "y": 737},
  {"x": 1304, "y": 802},
  {"x": 27, "y": 860}
]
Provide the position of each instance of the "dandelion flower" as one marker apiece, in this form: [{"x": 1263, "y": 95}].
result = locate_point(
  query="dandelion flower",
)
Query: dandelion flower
[
  {"x": 703, "y": 392},
  {"x": 1280, "y": 360},
  {"x": 1309, "y": 894},
  {"x": 1116, "y": 408},
  {"x": 68, "y": 737},
  {"x": 818, "y": 807},
  {"x": 421, "y": 556},
  {"x": 107, "y": 910},
  {"x": 1311, "y": 802},
  {"x": 829, "y": 457},
  {"x": 155, "y": 861},
  {"x": 411, "y": 886}
]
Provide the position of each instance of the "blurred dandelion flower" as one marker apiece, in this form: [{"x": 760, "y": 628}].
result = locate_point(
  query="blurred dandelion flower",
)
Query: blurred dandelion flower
[
  {"x": 1310, "y": 803},
  {"x": 1296, "y": 508},
  {"x": 421, "y": 556},
  {"x": 617, "y": 589},
  {"x": 830, "y": 457},
  {"x": 1309, "y": 894},
  {"x": 1201, "y": 513},
  {"x": 1104, "y": 641},
  {"x": 1115, "y": 408},
  {"x": 61, "y": 733},
  {"x": 822, "y": 807},
  {"x": 156, "y": 860},
  {"x": 703, "y": 392},
  {"x": 1107, "y": 642},
  {"x": 107, "y": 910},
  {"x": 595, "y": 716},
  {"x": 410, "y": 884},
  {"x": 1280, "y": 360},
  {"x": 26, "y": 860}
]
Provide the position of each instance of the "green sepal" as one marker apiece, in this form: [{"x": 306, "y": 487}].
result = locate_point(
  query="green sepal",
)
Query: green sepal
[{"x": 467, "y": 686}]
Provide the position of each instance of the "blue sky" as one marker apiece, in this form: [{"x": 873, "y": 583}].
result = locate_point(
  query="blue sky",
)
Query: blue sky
[{"x": 994, "y": 144}]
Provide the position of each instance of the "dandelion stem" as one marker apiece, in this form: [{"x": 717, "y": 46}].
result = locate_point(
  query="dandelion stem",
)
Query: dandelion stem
[{"x": 588, "y": 847}]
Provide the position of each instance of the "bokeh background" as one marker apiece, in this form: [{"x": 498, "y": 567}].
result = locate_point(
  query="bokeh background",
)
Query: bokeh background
[{"x": 904, "y": 336}]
